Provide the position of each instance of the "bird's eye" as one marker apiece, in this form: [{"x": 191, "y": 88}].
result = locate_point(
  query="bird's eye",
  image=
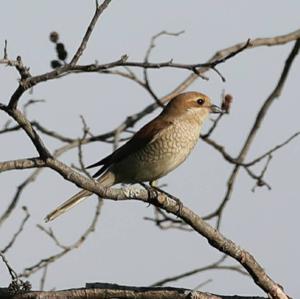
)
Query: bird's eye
[{"x": 200, "y": 101}]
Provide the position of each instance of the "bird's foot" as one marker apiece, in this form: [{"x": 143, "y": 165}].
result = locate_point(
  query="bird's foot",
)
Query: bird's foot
[
  {"x": 180, "y": 206},
  {"x": 152, "y": 193},
  {"x": 179, "y": 203}
]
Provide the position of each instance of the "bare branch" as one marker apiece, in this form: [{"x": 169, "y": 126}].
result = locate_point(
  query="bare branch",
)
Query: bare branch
[
  {"x": 214, "y": 266},
  {"x": 23, "y": 122},
  {"x": 146, "y": 60},
  {"x": 259, "y": 119},
  {"x": 161, "y": 200},
  {"x": 269, "y": 152},
  {"x": 31, "y": 102},
  {"x": 259, "y": 179},
  {"x": 98, "y": 12},
  {"x": 267, "y": 104},
  {"x": 5, "y": 50},
  {"x": 109, "y": 290},
  {"x": 11, "y": 271},
  {"x": 17, "y": 195},
  {"x": 51, "y": 133},
  {"x": 18, "y": 64},
  {"x": 49, "y": 232},
  {"x": 18, "y": 232},
  {"x": 201, "y": 68},
  {"x": 22, "y": 164},
  {"x": 43, "y": 278},
  {"x": 272, "y": 41},
  {"x": 164, "y": 221},
  {"x": 6, "y": 129},
  {"x": 65, "y": 249}
]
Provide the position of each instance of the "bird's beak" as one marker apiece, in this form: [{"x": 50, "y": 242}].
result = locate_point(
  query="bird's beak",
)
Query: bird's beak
[{"x": 215, "y": 109}]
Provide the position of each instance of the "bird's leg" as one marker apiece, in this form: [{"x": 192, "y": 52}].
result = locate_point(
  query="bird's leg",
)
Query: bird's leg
[
  {"x": 153, "y": 185},
  {"x": 152, "y": 193}
]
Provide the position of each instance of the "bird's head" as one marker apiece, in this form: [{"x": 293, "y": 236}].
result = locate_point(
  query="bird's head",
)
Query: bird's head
[{"x": 191, "y": 104}]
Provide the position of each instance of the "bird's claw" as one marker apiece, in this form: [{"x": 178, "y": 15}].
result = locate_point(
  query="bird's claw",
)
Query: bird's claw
[
  {"x": 180, "y": 207},
  {"x": 152, "y": 192},
  {"x": 152, "y": 188}
]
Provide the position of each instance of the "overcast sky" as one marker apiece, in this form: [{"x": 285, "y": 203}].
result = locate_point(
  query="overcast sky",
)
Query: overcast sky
[{"x": 126, "y": 249}]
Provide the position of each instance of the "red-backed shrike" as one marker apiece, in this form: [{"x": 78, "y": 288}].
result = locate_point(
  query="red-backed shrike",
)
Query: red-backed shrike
[{"x": 155, "y": 150}]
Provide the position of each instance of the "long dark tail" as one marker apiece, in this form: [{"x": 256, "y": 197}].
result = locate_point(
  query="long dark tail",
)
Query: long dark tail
[{"x": 106, "y": 180}]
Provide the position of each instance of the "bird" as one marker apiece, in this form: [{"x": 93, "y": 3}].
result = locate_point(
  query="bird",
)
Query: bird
[{"x": 153, "y": 151}]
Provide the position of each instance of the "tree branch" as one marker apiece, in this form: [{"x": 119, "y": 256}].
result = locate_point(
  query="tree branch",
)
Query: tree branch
[
  {"x": 161, "y": 200},
  {"x": 214, "y": 266},
  {"x": 259, "y": 119},
  {"x": 109, "y": 290},
  {"x": 98, "y": 12}
]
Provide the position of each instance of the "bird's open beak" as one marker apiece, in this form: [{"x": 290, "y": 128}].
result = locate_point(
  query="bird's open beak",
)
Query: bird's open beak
[{"x": 215, "y": 109}]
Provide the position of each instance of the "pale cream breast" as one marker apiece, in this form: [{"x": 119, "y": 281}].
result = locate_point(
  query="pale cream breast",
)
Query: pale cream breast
[{"x": 166, "y": 151}]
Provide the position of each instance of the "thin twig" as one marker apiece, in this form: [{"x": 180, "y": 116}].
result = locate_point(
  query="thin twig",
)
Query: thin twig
[
  {"x": 146, "y": 60},
  {"x": 49, "y": 232},
  {"x": 11, "y": 271},
  {"x": 65, "y": 249},
  {"x": 18, "y": 232},
  {"x": 164, "y": 221},
  {"x": 271, "y": 151},
  {"x": 259, "y": 179},
  {"x": 86, "y": 131},
  {"x": 43, "y": 278},
  {"x": 98, "y": 12},
  {"x": 214, "y": 266},
  {"x": 30, "y": 179},
  {"x": 5, "y": 50},
  {"x": 31, "y": 102}
]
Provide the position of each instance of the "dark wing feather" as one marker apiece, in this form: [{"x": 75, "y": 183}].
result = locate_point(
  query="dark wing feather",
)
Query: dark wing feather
[{"x": 145, "y": 135}]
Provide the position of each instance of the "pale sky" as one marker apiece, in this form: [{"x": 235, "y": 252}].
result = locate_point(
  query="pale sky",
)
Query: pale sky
[{"x": 126, "y": 249}]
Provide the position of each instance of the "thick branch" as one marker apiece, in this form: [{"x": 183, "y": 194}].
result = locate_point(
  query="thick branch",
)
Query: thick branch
[
  {"x": 215, "y": 238},
  {"x": 22, "y": 164},
  {"x": 23, "y": 122},
  {"x": 108, "y": 290}
]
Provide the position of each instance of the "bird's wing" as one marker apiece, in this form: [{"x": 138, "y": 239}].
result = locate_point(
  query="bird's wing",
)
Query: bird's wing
[{"x": 145, "y": 135}]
